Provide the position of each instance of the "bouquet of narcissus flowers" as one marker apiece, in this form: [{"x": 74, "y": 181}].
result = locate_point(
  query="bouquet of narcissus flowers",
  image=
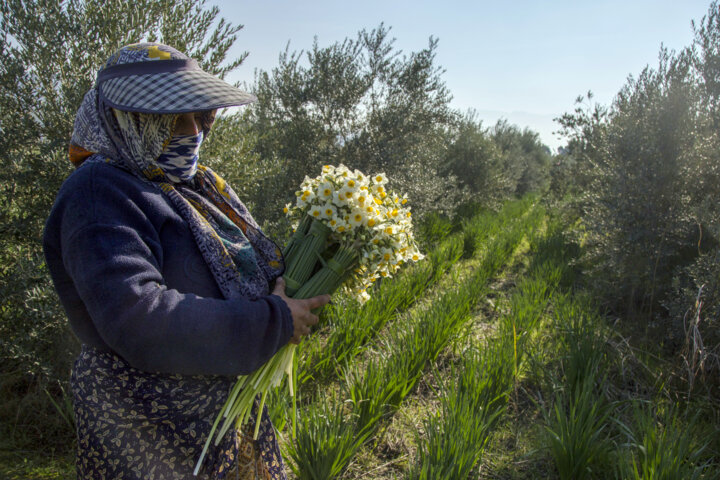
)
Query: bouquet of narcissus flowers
[
  {"x": 363, "y": 232},
  {"x": 349, "y": 230}
]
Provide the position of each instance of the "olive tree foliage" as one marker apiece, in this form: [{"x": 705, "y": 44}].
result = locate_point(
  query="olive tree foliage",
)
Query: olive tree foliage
[
  {"x": 50, "y": 52},
  {"x": 525, "y": 159},
  {"x": 478, "y": 162},
  {"x": 358, "y": 102},
  {"x": 230, "y": 151},
  {"x": 650, "y": 196}
]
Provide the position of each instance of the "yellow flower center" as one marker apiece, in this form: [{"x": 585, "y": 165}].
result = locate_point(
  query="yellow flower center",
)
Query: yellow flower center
[{"x": 371, "y": 222}]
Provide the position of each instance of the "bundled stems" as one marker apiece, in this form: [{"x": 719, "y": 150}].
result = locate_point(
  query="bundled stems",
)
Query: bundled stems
[
  {"x": 303, "y": 255},
  {"x": 331, "y": 276}
]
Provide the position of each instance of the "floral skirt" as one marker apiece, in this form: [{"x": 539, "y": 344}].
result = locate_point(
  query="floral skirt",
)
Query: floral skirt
[{"x": 137, "y": 425}]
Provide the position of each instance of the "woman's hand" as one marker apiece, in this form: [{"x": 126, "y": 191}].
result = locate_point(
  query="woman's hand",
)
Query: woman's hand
[{"x": 301, "y": 310}]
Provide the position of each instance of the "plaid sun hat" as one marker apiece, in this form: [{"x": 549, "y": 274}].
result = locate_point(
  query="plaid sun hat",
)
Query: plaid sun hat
[{"x": 156, "y": 78}]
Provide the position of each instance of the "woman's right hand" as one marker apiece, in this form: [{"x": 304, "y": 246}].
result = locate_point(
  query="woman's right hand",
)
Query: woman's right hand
[{"x": 301, "y": 310}]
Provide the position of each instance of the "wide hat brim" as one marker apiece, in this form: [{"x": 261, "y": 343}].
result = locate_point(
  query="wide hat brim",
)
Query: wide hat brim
[{"x": 166, "y": 87}]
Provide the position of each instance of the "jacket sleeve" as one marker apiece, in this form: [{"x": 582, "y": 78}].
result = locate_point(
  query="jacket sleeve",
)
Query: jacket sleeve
[{"x": 115, "y": 267}]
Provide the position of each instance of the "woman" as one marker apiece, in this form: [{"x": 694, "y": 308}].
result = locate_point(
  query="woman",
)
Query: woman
[{"x": 165, "y": 277}]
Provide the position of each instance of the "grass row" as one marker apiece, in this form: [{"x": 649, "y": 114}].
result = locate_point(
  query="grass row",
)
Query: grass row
[{"x": 475, "y": 398}]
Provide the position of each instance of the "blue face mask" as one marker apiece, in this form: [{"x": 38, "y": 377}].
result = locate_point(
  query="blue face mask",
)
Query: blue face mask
[{"x": 180, "y": 158}]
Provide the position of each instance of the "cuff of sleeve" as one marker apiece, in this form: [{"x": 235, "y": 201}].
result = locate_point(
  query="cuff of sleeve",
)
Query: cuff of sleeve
[{"x": 287, "y": 321}]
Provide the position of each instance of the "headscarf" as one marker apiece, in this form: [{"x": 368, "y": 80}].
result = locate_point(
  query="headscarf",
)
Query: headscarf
[{"x": 242, "y": 259}]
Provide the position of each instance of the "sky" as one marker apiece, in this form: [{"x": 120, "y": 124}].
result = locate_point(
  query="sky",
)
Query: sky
[{"x": 523, "y": 61}]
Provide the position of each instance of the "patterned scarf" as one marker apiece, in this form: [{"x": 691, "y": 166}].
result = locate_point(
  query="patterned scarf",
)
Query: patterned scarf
[
  {"x": 180, "y": 158},
  {"x": 241, "y": 258}
]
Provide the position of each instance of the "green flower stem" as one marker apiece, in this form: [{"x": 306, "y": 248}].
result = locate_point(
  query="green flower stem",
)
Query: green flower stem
[
  {"x": 297, "y": 238},
  {"x": 300, "y": 265},
  {"x": 331, "y": 276}
]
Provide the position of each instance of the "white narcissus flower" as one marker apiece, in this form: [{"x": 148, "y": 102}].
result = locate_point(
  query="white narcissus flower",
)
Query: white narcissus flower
[
  {"x": 338, "y": 224},
  {"x": 361, "y": 178},
  {"x": 342, "y": 171},
  {"x": 364, "y": 198},
  {"x": 379, "y": 179},
  {"x": 356, "y": 219},
  {"x": 325, "y": 190},
  {"x": 328, "y": 211},
  {"x": 416, "y": 256},
  {"x": 346, "y": 193},
  {"x": 315, "y": 211},
  {"x": 363, "y": 296},
  {"x": 308, "y": 195},
  {"x": 352, "y": 184},
  {"x": 339, "y": 202}
]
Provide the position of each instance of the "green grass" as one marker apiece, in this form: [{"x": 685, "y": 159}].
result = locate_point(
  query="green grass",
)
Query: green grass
[
  {"x": 36, "y": 466},
  {"x": 664, "y": 445}
]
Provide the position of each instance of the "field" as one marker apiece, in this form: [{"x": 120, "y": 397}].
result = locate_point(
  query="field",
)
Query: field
[
  {"x": 486, "y": 362},
  {"x": 483, "y": 361}
]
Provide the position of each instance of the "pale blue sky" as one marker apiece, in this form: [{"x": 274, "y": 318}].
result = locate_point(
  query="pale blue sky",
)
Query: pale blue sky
[{"x": 525, "y": 61}]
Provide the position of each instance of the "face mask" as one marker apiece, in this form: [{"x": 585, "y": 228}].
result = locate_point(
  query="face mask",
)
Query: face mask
[{"x": 180, "y": 158}]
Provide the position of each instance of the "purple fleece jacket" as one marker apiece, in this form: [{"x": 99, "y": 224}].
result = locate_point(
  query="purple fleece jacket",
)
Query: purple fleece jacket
[{"x": 132, "y": 281}]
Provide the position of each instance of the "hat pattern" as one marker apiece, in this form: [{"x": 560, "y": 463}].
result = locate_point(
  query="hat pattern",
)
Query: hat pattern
[{"x": 133, "y": 80}]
